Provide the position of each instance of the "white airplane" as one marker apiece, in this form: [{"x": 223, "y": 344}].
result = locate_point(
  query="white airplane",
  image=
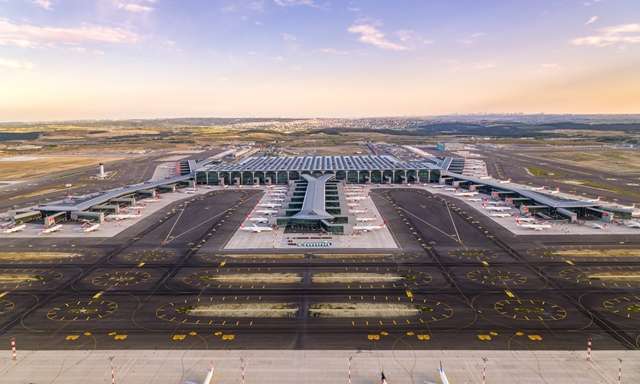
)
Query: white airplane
[
  {"x": 258, "y": 219},
  {"x": 599, "y": 226},
  {"x": 355, "y": 198},
  {"x": 269, "y": 205},
  {"x": 498, "y": 209},
  {"x": 136, "y": 207},
  {"x": 152, "y": 200},
  {"x": 365, "y": 219},
  {"x": 557, "y": 190},
  {"x": 16, "y": 228},
  {"x": 535, "y": 227},
  {"x": 537, "y": 188},
  {"x": 55, "y": 228},
  {"x": 368, "y": 228},
  {"x": 266, "y": 211},
  {"x": 450, "y": 189},
  {"x": 91, "y": 228},
  {"x": 632, "y": 224},
  {"x": 353, "y": 205},
  {"x": 500, "y": 214},
  {"x": 443, "y": 376},
  {"x": 593, "y": 200},
  {"x": 526, "y": 219},
  {"x": 357, "y": 211},
  {"x": 256, "y": 229},
  {"x": 477, "y": 200},
  {"x": 275, "y": 199},
  {"x": 469, "y": 194},
  {"x": 437, "y": 186},
  {"x": 124, "y": 216},
  {"x": 504, "y": 181}
]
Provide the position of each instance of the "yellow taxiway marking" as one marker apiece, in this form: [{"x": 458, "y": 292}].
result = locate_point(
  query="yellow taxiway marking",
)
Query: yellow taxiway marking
[
  {"x": 141, "y": 264},
  {"x": 97, "y": 295},
  {"x": 193, "y": 333},
  {"x": 509, "y": 293},
  {"x": 178, "y": 337},
  {"x": 217, "y": 333},
  {"x": 228, "y": 337},
  {"x": 485, "y": 263},
  {"x": 519, "y": 333},
  {"x": 569, "y": 262},
  {"x": 222, "y": 264},
  {"x": 120, "y": 337},
  {"x": 423, "y": 337},
  {"x": 87, "y": 333},
  {"x": 535, "y": 337},
  {"x": 373, "y": 337},
  {"x": 72, "y": 337},
  {"x": 3, "y": 294},
  {"x": 484, "y": 337}
]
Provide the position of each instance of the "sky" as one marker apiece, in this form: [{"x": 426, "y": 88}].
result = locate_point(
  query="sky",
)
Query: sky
[{"x": 114, "y": 59}]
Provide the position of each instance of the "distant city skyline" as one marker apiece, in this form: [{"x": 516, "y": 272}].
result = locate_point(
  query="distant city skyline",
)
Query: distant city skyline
[{"x": 115, "y": 59}]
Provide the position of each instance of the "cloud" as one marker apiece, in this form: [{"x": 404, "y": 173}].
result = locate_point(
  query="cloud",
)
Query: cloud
[
  {"x": 290, "y": 3},
  {"x": 408, "y": 36},
  {"x": 288, "y": 37},
  {"x": 332, "y": 51},
  {"x": 592, "y": 20},
  {"x": 15, "y": 64},
  {"x": 370, "y": 34},
  {"x": 614, "y": 35},
  {"x": 140, "y": 6},
  {"x": 28, "y": 35},
  {"x": 471, "y": 39},
  {"x": 44, "y": 4}
]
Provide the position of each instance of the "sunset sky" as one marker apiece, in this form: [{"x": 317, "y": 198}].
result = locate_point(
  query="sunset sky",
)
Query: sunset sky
[{"x": 82, "y": 59}]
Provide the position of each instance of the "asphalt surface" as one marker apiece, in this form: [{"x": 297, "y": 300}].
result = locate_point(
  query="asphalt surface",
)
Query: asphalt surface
[{"x": 466, "y": 284}]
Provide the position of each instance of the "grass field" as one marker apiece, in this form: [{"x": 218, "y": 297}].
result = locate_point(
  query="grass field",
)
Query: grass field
[
  {"x": 11, "y": 169},
  {"x": 616, "y": 161}
]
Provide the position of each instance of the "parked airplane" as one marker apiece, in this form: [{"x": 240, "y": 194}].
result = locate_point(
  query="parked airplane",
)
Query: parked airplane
[
  {"x": 526, "y": 219},
  {"x": 266, "y": 211},
  {"x": 136, "y": 207},
  {"x": 632, "y": 224},
  {"x": 353, "y": 205},
  {"x": 504, "y": 181},
  {"x": 91, "y": 228},
  {"x": 475, "y": 200},
  {"x": 500, "y": 214},
  {"x": 259, "y": 219},
  {"x": 124, "y": 216},
  {"x": 256, "y": 229},
  {"x": 55, "y": 228},
  {"x": 355, "y": 198},
  {"x": 270, "y": 205},
  {"x": 365, "y": 219},
  {"x": 16, "y": 228},
  {"x": 535, "y": 227},
  {"x": 469, "y": 194},
  {"x": 494, "y": 208},
  {"x": 443, "y": 376},
  {"x": 368, "y": 228},
  {"x": 599, "y": 226},
  {"x": 437, "y": 186},
  {"x": 537, "y": 188},
  {"x": 450, "y": 189},
  {"x": 557, "y": 190},
  {"x": 275, "y": 199},
  {"x": 357, "y": 211}
]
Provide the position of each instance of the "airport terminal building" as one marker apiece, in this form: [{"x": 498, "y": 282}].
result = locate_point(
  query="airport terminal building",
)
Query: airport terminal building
[{"x": 351, "y": 169}]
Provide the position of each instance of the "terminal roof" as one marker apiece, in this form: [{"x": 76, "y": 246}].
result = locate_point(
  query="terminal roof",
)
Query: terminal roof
[{"x": 313, "y": 206}]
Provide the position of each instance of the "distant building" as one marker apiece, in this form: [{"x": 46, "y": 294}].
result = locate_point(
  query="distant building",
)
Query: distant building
[{"x": 449, "y": 146}]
